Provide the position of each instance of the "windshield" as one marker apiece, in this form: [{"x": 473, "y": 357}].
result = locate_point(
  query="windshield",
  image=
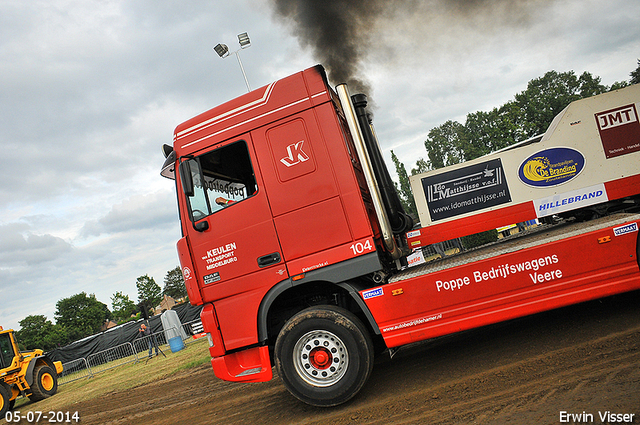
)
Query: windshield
[{"x": 6, "y": 351}]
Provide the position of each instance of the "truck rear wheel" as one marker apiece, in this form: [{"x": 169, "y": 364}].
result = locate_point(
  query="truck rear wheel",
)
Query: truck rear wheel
[
  {"x": 45, "y": 383},
  {"x": 5, "y": 395},
  {"x": 324, "y": 355}
]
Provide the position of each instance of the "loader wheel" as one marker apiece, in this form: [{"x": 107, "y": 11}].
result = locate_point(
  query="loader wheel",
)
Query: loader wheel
[
  {"x": 324, "y": 355},
  {"x": 45, "y": 383},
  {"x": 5, "y": 395}
]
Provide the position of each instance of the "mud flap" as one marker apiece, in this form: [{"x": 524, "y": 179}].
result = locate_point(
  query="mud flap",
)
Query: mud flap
[{"x": 252, "y": 365}]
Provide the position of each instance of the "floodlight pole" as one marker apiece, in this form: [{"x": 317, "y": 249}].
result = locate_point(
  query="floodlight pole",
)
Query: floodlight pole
[
  {"x": 223, "y": 51},
  {"x": 242, "y": 69}
]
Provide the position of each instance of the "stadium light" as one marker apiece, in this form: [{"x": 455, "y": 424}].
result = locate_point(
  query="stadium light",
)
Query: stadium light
[{"x": 223, "y": 51}]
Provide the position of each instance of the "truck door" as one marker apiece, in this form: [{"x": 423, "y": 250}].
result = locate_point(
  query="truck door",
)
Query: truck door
[
  {"x": 233, "y": 240},
  {"x": 312, "y": 225}
]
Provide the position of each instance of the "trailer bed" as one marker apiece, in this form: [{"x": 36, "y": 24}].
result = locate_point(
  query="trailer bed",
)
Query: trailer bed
[{"x": 540, "y": 235}]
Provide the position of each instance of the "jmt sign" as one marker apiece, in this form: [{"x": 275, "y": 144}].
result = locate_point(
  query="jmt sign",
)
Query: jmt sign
[
  {"x": 619, "y": 130},
  {"x": 621, "y": 116}
]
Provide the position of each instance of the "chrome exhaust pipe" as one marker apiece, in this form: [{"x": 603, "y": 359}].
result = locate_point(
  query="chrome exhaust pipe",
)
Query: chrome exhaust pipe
[{"x": 365, "y": 161}]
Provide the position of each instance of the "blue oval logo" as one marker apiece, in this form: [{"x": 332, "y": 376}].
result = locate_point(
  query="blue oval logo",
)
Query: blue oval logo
[{"x": 551, "y": 167}]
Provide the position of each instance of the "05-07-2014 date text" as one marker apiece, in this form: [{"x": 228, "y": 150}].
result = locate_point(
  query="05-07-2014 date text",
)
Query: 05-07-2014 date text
[{"x": 42, "y": 417}]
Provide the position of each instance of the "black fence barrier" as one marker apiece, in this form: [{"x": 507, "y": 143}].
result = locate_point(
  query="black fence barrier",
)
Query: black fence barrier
[{"x": 127, "y": 332}]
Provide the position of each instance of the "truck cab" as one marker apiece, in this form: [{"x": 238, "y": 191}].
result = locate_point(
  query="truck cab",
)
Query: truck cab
[{"x": 276, "y": 215}]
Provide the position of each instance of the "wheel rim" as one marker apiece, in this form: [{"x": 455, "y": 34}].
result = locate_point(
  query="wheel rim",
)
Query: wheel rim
[
  {"x": 47, "y": 381},
  {"x": 320, "y": 358}
]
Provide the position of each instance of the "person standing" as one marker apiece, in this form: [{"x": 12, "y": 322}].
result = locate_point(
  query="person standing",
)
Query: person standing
[{"x": 145, "y": 332}]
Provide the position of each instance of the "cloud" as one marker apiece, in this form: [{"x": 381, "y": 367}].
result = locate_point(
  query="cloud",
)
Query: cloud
[
  {"x": 19, "y": 247},
  {"x": 156, "y": 210}
]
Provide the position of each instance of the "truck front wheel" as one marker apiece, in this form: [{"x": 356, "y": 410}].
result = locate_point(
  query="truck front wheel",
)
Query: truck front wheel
[
  {"x": 324, "y": 355},
  {"x": 45, "y": 383}
]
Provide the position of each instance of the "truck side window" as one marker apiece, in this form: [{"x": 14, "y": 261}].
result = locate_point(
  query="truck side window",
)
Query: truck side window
[
  {"x": 220, "y": 178},
  {"x": 6, "y": 351}
]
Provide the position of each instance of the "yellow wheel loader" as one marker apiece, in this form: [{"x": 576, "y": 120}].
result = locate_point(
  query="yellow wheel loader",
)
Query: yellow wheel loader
[{"x": 28, "y": 373}]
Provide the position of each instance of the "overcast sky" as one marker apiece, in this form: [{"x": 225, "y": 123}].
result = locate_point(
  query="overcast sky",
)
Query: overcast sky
[{"x": 90, "y": 90}]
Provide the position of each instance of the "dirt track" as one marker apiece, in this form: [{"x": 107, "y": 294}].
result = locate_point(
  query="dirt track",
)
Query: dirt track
[{"x": 579, "y": 359}]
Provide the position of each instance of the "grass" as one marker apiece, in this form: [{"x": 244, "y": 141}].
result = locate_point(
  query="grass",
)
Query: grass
[{"x": 122, "y": 378}]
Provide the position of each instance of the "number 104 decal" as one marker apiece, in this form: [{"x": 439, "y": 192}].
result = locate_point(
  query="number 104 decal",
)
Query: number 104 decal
[{"x": 361, "y": 247}]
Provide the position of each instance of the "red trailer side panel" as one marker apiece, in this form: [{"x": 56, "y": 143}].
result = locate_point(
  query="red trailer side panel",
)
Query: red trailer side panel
[{"x": 525, "y": 281}]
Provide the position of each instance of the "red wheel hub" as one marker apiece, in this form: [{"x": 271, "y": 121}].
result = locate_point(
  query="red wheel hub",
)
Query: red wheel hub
[{"x": 320, "y": 358}]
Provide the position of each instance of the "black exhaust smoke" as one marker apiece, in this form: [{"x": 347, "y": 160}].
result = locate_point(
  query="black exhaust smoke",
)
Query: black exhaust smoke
[
  {"x": 343, "y": 33},
  {"x": 337, "y": 31}
]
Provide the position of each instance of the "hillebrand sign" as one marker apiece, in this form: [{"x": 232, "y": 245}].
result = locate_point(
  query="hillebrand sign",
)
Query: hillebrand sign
[{"x": 551, "y": 167}]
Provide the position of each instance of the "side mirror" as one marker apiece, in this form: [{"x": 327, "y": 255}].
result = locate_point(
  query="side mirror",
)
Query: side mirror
[
  {"x": 168, "y": 168},
  {"x": 201, "y": 226},
  {"x": 186, "y": 178}
]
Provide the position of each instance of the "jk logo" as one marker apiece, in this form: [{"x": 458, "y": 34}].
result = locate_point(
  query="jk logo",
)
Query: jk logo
[{"x": 296, "y": 155}]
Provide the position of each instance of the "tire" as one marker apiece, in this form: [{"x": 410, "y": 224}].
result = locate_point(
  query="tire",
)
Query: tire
[
  {"x": 45, "y": 383},
  {"x": 324, "y": 355},
  {"x": 5, "y": 395}
]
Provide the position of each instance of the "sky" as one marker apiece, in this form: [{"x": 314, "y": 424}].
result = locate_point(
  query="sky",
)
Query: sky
[{"x": 91, "y": 89}]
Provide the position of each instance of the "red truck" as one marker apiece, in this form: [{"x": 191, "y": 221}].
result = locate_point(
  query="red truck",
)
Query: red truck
[{"x": 295, "y": 242}]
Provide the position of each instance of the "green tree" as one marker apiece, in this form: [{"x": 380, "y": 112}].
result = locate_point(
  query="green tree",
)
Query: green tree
[
  {"x": 483, "y": 132},
  {"x": 174, "y": 284},
  {"x": 528, "y": 115},
  {"x": 635, "y": 75},
  {"x": 81, "y": 315},
  {"x": 404, "y": 188},
  {"x": 38, "y": 332},
  {"x": 590, "y": 85},
  {"x": 422, "y": 166},
  {"x": 548, "y": 95},
  {"x": 618, "y": 85},
  {"x": 122, "y": 307},
  {"x": 148, "y": 290},
  {"x": 445, "y": 144},
  {"x": 494, "y": 130}
]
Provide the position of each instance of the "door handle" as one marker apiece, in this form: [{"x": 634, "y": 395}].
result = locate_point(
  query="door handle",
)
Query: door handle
[{"x": 267, "y": 260}]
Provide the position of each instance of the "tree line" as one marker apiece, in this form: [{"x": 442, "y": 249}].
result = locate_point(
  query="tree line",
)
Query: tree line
[
  {"x": 529, "y": 114},
  {"x": 82, "y": 315}
]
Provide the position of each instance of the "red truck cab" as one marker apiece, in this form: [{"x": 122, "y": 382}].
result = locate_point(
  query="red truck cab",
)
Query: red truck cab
[{"x": 300, "y": 216}]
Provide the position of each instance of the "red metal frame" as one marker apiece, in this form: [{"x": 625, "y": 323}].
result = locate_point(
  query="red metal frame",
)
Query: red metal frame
[
  {"x": 622, "y": 188},
  {"x": 471, "y": 225},
  {"x": 601, "y": 269}
]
